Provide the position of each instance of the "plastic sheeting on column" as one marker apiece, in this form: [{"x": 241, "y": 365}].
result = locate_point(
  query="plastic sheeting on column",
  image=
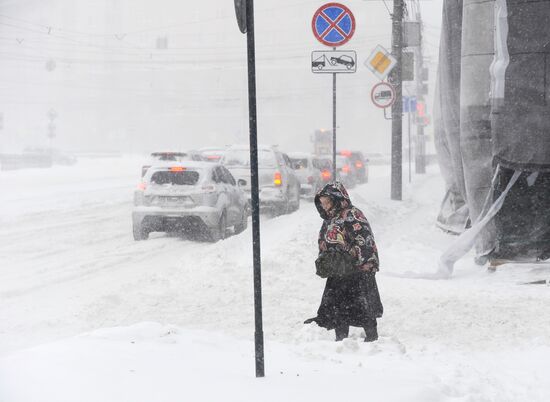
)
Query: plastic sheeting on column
[
  {"x": 453, "y": 215},
  {"x": 466, "y": 240},
  {"x": 475, "y": 108}
]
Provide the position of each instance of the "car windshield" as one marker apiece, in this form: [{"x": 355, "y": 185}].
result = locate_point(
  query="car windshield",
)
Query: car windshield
[
  {"x": 322, "y": 164},
  {"x": 299, "y": 163},
  {"x": 183, "y": 178},
  {"x": 241, "y": 158}
]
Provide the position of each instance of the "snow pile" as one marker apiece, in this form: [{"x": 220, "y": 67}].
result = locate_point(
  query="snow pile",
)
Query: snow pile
[
  {"x": 87, "y": 314},
  {"x": 151, "y": 362}
]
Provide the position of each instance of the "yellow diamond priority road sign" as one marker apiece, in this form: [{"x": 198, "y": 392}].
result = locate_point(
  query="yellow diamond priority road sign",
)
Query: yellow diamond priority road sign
[{"x": 380, "y": 62}]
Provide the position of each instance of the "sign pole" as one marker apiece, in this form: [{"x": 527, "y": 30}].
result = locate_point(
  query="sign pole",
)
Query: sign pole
[
  {"x": 255, "y": 200},
  {"x": 409, "y": 130},
  {"x": 333, "y": 25},
  {"x": 397, "y": 108},
  {"x": 334, "y": 126}
]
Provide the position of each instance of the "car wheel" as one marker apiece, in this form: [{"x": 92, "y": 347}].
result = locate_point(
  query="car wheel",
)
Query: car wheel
[
  {"x": 140, "y": 233},
  {"x": 241, "y": 227}
]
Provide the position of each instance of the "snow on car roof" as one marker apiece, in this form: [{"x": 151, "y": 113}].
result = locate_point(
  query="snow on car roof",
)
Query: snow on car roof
[
  {"x": 186, "y": 164},
  {"x": 302, "y": 155}
]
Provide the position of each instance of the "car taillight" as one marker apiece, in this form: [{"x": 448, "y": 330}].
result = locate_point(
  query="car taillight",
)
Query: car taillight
[
  {"x": 358, "y": 164},
  {"x": 325, "y": 174},
  {"x": 278, "y": 179},
  {"x": 177, "y": 169},
  {"x": 346, "y": 169},
  {"x": 142, "y": 186},
  {"x": 345, "y": 153}
]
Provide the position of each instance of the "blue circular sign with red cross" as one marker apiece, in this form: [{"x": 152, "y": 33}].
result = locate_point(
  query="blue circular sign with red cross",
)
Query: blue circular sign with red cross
[{"x": 333, "y": 24}]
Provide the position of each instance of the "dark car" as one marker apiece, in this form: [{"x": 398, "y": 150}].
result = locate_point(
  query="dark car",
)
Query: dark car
[
  {"x": 344, "y": 60},
  {"x": 359, "y": 165}
]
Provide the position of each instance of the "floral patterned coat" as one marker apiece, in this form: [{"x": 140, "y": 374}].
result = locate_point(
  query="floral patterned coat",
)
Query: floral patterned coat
[{"x": 354, "y": 299}]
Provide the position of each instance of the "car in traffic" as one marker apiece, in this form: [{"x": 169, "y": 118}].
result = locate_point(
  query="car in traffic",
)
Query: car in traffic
[
  {"x": 360, "y": 165},
  {"x": 324, "y": 164},
  {"x": 312, "y": 171},
  {"x": 279, "y": 186},
  {"x": 170, "y": 156},
  {"x": 211, "y": 154},
  {"x": 198, "y": 198},
  {"x": 345, "y": 171}
]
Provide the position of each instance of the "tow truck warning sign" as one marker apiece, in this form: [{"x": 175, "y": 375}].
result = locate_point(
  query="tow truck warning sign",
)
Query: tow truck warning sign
[{"x": 333, "y": 61}]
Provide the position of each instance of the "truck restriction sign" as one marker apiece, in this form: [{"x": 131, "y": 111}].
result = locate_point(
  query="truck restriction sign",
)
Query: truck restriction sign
[{"x": 383, "y": 95}]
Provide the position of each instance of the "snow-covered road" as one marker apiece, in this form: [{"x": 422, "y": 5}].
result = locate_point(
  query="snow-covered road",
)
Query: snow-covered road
[{"x": 69, "y": 264}]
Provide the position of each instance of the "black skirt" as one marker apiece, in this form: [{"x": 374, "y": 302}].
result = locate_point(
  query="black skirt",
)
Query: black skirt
[{"x": 351, "y": 300}]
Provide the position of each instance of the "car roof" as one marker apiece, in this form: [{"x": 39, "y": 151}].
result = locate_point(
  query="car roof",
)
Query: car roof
[
  {"x": 299, "y": 155},
  {"x": 186, "y": 164}
]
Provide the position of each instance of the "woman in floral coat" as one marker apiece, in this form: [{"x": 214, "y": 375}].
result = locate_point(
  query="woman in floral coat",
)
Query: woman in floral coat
[{"x": 351, "y": 300}]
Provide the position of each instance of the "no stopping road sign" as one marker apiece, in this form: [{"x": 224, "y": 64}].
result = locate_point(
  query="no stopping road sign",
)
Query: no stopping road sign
[{"x": 333, "y": 24}]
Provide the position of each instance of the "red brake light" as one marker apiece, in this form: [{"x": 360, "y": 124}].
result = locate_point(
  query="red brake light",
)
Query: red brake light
[
  {"x": 213, "y": 157},
  {"x": 177, "y": 169},
  {"x": 358, "y": 164},
  {"x": 142, "y": 186},
  {"x": 278, "y": 179},
  {"x": 346, "y": 169},
  {"x": 325, "y": 174},
  {"x": 345, "y": 153}
]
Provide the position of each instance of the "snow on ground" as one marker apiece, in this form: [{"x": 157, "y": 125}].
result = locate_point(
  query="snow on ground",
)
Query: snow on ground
[{"x": 88, "y": 314}]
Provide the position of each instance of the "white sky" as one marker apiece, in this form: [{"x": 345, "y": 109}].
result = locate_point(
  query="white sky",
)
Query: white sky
[{"x": 112, "y": 89}]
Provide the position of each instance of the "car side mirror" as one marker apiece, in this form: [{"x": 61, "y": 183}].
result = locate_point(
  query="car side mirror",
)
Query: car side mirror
[{"x": 241, "y": 182}]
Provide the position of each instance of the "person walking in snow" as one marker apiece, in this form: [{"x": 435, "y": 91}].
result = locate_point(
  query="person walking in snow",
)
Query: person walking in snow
[{"x": 351, "y": 299}]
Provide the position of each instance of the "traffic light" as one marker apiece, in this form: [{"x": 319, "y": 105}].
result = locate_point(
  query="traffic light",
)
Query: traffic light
[{"x": 420, "y": 109}]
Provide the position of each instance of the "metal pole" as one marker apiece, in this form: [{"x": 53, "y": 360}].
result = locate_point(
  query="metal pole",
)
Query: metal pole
[
  {"x": 409, "y": 130},
  {"x": 420, "y": 162},
  {"x": 258, "y": 333},
  {"x": 397, "y": 108},
  {"x": 334, "y": 126}
]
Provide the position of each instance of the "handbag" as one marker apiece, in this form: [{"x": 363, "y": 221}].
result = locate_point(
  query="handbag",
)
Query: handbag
[{"x": 334, "y": 263}]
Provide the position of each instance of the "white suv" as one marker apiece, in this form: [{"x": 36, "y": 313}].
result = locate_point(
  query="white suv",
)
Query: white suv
[
  {"x": 200, "y": 198},
  {"x": 279, "y": 185}
]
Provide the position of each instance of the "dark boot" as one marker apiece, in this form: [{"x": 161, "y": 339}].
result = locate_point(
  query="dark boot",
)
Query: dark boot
[
  {"x": 371, "y": 331},
  {"x": 342, "y": 332}
]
